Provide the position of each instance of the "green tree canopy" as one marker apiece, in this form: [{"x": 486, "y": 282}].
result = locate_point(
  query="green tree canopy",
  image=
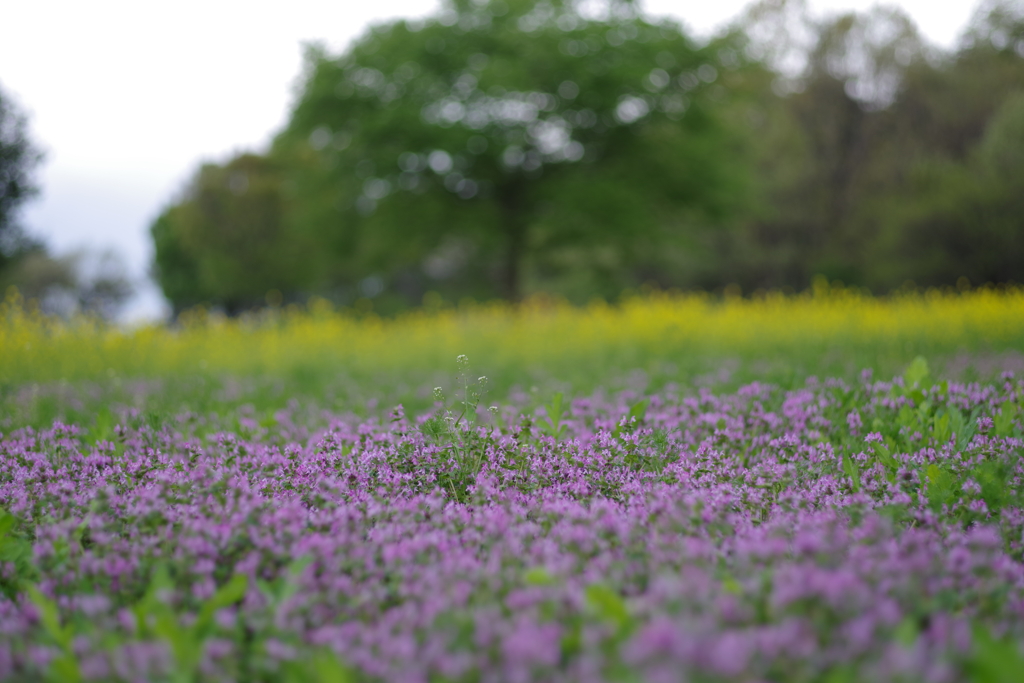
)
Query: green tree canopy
[
  {"x": 503, "y": 147},
  {"x": 497, "y": 147},
  {"x": 500, "y": 143},
  {"x": 225, "y": 240},
  {"x": 869, "y": 155}
]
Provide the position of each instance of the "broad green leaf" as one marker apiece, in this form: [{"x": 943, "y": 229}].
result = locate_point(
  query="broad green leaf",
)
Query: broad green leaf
[
  {"x": 185, "y": 648},
  {"x": 149, "y": 605},
  {"x": 843, "y": 673},
  {"x": 7, "y": 521},
  {"x": 884, "y": 456},
  {"x": 64, "y": 669},
  {"x": 538, "y": 576},
  {"x": 917, "y": 374},
  {"x": 554, "y": 420},
  {"x": 12, "y": 548},
  {"x": 942, "y": 487},
  {"x": 639, "y": 410},
  {"x": 994, "y": 478},
  {"x": 941, "y": 428},
  {"x": 1004, "y": 419},
  {"x": 104, "y": 427},
  {"x": 228, "y": 594},
  {"x": 49, "y": 616},
  {"x": 963, "y": 428},
  {"x": 907, "y": 417},
  {"x": 907, "y": 632},
  {"x": 287, "y": 584},
  {"x": 329, "y": 669},
  {"x": 608, "y": 605},
  {"x": 994, "y": 661}
]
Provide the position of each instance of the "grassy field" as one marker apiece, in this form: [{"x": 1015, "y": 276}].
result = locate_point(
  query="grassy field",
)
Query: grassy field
[
  {"x": 821, "y": 488},
  {"x": 49, "y": 369}
]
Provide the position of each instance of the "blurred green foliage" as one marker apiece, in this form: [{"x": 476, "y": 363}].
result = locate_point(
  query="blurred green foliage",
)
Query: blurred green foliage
[
  {"x": 508, "y": 147},
  {"x": 227, "y": 242},
  {"x": 878, "y": 159},
  {"x": 18, "y": 159},
  {"x": 77, "y": 282},
  {"x": 495, "y": 149}
]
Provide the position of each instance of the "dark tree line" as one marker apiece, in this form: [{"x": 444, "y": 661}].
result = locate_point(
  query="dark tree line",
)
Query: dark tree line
[{"x": 898, "y": 162}]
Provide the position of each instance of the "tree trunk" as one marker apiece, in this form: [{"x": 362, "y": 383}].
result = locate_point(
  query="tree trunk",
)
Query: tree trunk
[{"x": 510, "y": 197}]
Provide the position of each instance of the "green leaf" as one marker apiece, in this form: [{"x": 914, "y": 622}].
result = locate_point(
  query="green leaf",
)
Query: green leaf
[
  {"x": 609, "y": 606},
  {"x": 554, "y": 421},
  {"x": 7, "y": 522},
  {"x": 434, "y": 428},
  {"x": 228, "y": 594},
  {"x": 289, "y": 583},
  {"x": 852, "y": 471},
  {"x": 963, "y": 428},
  {"x": 322, "y": 667},
  {"x": 907, "y": 417},
  {"x": 917, "y": 375},
  {"x": 14, "y": 549},
  {"x": 942, "y": 488},
  {"x": 994, "y": 479},
  {"x": 884, "y": 456},
  {"x": 941, "y": 428},
  {"x": 637, "y": 412},
  {"x": 844, "y": 673},
  {"x": 994, "y": 661},
  {"x": 1005, "y": 418},
  {"x": 104, "y": 427},
  {"x": 183, "y": 645},
  {"x": 50, "y": 617},
  {"x": 64, "y": 669},
  {"x": 907, "y": 632},
  {"x": 329, "y": 669},
  {"x": 149, "y": 605},
  {"x": 538, "y": 576}
]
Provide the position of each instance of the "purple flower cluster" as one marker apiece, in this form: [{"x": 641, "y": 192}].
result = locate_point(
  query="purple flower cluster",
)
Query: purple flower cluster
[{"x": 829, "y": 532}]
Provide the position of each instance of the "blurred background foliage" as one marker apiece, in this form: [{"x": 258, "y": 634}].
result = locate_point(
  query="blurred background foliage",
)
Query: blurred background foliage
[
  {"x": 503, "y": 148},
  {"x": 80, "y": 282}
]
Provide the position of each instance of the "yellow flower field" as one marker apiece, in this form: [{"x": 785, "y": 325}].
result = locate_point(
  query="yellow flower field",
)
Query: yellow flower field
[{"x": 818, "y": 331}]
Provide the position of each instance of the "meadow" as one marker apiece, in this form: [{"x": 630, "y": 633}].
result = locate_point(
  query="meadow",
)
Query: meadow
[{"x": 814, "y": 487}]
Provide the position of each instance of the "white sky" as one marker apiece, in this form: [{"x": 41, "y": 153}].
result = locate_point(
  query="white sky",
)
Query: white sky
[{"x": 128, "y": 97}]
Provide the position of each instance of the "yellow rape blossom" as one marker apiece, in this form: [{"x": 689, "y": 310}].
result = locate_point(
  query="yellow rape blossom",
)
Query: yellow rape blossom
[{"x": 825, "y": 323}]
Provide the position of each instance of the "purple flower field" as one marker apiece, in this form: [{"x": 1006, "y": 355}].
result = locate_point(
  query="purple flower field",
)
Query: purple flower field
[{"x": 834, "y": 533}]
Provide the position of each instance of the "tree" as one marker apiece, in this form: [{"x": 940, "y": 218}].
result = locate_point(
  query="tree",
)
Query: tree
[
  {"x": 225, "y": 241},
  {"x": 509, "y": 145},
  {"x": 966, "y": 219},
  {"x": 95, "y": 283},
  {"x": 18, "y": 159},
  {"x": 871, "y": 155},
  {"x": 955, "y": 210}
]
